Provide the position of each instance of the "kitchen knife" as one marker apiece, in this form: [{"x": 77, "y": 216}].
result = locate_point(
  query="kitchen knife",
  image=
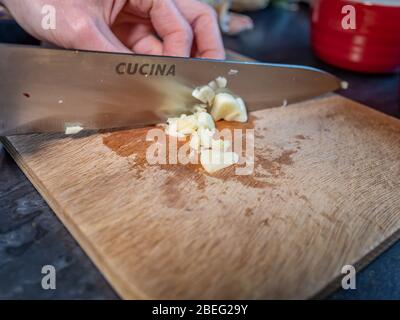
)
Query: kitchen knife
[{"x": 45, "y": 90}]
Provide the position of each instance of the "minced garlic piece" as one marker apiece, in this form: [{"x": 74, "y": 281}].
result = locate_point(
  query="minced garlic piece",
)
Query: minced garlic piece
[
  {"x": 187, "y": 124},
  {"x": 227, "y": 107},
  {"x": 180, "y": 127},
  {"x": 206, "y": 137},
  {"x": 218, "y": 83},
  {"x": 205, "y": 94},
  {"x": 243, "y": 111},
  {"x": 172, "y": 128},
  {"x": 195, "y": 142},
  {"x": 205, "y": 120},
  {"x": 200, "y": 108},
  {"x": 213, "y": 161},
  {"x": 72, "y": 129},
  {"x": 221, "y": 82}
]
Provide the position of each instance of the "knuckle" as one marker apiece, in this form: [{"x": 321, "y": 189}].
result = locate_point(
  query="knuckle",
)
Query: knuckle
[{"x": 207, "y": 10}]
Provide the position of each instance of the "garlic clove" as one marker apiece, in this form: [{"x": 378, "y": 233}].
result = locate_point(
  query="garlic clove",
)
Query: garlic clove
[
  {"x": 213, "y": 161},
  {"x": 227, "y": 107}
]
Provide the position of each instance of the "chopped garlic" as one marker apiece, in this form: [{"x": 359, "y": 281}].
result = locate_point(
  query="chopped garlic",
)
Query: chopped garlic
[
  {"x": 221, "y": 82},
  {"x": 179, "y": 127},
  {"x": 206, "y": 137},
  {"x": 200, "y": 126},
  {"x": 72, "y": 129},
  {"x": 218, "y": 83},
  {"x": 187, "y": 124},
  {"x": 213, "y": 85},
  {"x": 195, "y": 141},
  {"x": 243, "y": 111},
  {"x": 213, "y": 161},
  {"x": 205, "y": 94},
  {"x": 200, "y": 108},
  {"x": 205, "y": 120},
  {"x": 172, "y": 128},
  {"x": 227, "y": 107}
]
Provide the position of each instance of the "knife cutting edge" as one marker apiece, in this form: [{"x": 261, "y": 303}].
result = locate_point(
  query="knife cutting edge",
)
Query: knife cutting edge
[{"x": 43, "y": 90}]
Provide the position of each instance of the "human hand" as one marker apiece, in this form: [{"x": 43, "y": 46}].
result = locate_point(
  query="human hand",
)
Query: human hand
[{"x": 157, "y": 27}]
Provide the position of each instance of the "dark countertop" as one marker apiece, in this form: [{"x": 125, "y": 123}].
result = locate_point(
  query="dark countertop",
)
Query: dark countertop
[{"x": 31, "y": 236}]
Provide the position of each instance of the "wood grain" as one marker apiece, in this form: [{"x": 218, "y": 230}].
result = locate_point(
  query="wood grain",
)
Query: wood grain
[{"x": 325, "y": 193}]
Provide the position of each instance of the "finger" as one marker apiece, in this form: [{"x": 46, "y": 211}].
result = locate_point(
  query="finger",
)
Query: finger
[
  {"x": 172, "y": 28},
  {"x": 98, "y": 37},
  {"x": 239, "y": 23},
  {"x": 144, "y": 41},
  {"x": 140, "y": 38},
  {"x": 205, "y": 25}
]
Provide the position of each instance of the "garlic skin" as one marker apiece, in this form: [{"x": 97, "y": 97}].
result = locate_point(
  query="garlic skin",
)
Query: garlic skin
[
  {"x": 227, "y": 107},
  {"x": 213, "y": 161}
]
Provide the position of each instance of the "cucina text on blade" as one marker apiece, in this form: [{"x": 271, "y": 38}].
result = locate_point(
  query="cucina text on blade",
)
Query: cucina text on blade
[{"x": 146, "y": 69}]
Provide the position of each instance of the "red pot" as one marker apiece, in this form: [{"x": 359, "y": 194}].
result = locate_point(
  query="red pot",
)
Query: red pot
[{"x": 372, "y": 46}]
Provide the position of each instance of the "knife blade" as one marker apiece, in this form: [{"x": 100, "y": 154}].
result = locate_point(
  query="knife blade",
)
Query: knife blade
[{"x": 45, "y": 90}]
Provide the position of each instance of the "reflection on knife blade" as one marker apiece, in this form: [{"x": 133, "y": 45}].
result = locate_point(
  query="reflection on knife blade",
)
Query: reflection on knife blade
[{"x": 95, "y": 95}]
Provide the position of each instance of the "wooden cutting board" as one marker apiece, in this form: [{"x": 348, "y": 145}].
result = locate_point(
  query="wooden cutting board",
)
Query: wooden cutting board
[{"x": 325, "y": 193}]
